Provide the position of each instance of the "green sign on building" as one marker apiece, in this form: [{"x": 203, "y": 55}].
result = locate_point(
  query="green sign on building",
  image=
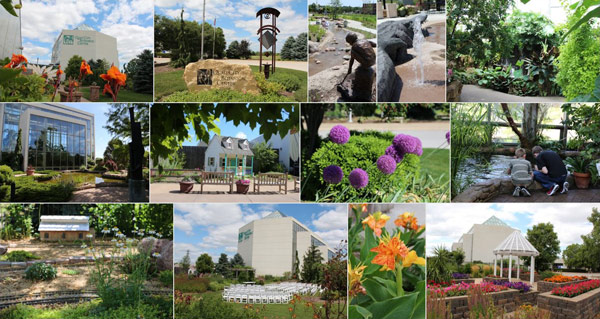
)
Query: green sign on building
[
  {"x": 68, "y": 39},
  {"x": 81, "y": 40},
  {"x": 244, "y": 235}
]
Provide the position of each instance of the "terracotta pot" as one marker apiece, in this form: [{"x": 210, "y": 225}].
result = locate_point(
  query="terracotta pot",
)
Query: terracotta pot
[
  {"x": 186, "y": 187},
  {"x": 30, "y": 172},
  {"x": 582, "y": 180},
  {"x": 241, "y": 188}
]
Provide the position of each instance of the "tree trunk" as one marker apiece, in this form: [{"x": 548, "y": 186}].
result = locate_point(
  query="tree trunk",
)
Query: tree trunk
[
  {"x": 525, "y": 143},
  {"x": 312, "y": 115},
  {"x": 530, "y": 121}
]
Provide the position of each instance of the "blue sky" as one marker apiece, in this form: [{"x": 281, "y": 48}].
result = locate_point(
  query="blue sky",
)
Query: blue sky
[
  {"x": 228, "y": 129},
  {"x": 238, "y": 18},
  {"x": 213, "y": 228},
  {"x": 130, "y": 21},
  {"x": 447, "y": 222}
]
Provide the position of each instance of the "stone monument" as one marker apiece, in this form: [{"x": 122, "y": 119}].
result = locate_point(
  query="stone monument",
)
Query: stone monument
[
  {"x": 362, "y": 86},
  {"x": 212, "y": 74}
]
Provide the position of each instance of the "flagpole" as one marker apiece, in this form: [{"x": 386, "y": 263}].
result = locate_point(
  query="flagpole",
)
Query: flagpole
[
  {"x": 214, "y": 36},
  {"x": 202, "y": 45}
]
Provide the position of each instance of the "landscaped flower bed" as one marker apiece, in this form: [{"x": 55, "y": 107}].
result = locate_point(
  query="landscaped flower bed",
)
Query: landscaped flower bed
[
  {"x": 462, "y": 289},
  {"x": 520, "y": 286},
  {"x": 508, "y": 299},
  {"x": 457, "y": 275},
  {"x": 576, "y": 289},
  {"x": 582, "y": 306},
  {"x": 561, "y": 278},
  {"x": 545, "y": 286}
]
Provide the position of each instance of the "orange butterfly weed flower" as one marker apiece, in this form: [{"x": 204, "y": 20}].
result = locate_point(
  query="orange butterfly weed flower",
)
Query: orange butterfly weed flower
[
  {"x": 376, "y": 222},
  {"x": 389, "y": 251},
  {"x": 408, "y": 221},
  {"x": 85, "y": 68}
]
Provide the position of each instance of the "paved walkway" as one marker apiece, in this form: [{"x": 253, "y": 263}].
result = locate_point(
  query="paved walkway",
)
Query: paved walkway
[
  {"x": 101, "y": 195},
  {"x": 538, "y": 196},
  {"x": 358, "y": 25},
  {"x": 169, "y": 192},
  {"x": 431, "y": 134},
  {"x": 294, "y": 65},
  {"x": 475, "y": 93}
]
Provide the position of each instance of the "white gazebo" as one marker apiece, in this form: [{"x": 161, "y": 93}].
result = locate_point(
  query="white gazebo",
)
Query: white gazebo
[{"x": 516, "y": 245}]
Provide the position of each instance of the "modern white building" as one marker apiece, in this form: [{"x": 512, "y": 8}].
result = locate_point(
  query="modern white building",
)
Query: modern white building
[
  {"x": 53, "y": 135},
  {"x": 10, "y": 33},
  {"x": 481, "y": 240},
  {"x": 228, "y": 154},
  {"x": 288, "y": 148},
  {"x": 269, "y": 244},
  {"x": 87, "y": 43}
]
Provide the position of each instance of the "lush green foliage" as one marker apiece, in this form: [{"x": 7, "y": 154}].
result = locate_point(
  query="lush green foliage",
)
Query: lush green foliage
[
  {"x": 265, "y": 158},
  {"x": 131, "y": 263},
  {"x": 362, "y": 150},
  {"x": 367, "y": 20},
  {"x": 290, "y": 81},
  {"x": 316, "y": 32},
  {"x": 40, "y": 271},
  {"x": 312, "y": 265},
  {"x": 185, "y": 262},
  {"x": 21, "y": 88},
  {"x": 141, "y": 72},
  {"x": 157, "y": 217},
  {"x": 16, "y": 221},
  {"x": 166, "y": 278},
  {"x": 29, "y": 190},
  {"x": 213, "y": 305},
  {"x": 390, "y": 293},
  {"x": 191, "y": 284},
  {"x": 6, "y": 179},
  {"x": 19, "y": 256},
  {"x": 99, "y": 66},
  {"x": 295, "y": 48},
  {"x": 543, "y": 237},
  {"x": 204, "y": 264},
  {"x": 118, "y": 122},
  {"x": 73, "y": 67},
  {"x": 578, "y": 61},
  {"x": 585, "y": 120},
  {"x": 224, "y": 95},
  {"x": 239, "y": 50},
  {"x": 528, "y": 32},
  {"x": 586, "y": 254},
  {"x": 166, "y": 38},
  {"x": 440, "y": 265}
]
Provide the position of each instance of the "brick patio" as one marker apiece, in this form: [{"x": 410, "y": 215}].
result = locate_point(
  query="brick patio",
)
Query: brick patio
[{"x": 169, "y": 193}]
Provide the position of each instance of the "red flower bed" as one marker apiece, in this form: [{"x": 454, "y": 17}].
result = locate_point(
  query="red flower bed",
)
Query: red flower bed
[{"x": 576, "y": 289}]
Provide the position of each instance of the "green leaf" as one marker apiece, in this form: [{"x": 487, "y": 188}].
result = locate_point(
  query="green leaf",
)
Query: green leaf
[
  {"x": 357, "y": 312},
  {"x": 8, "y": 74},
  {"x": 595, "y": 13},
  {"x": 420, "y": 305},
  {"x": 7, "y": 4},
  {"x": 369, "y": 243},
  {"x": 399, "y": 307},
  {"x": 376, "y": 290},
  {"x": 388, "y": 284}
]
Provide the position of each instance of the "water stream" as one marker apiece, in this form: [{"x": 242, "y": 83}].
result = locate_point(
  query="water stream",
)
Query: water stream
[
  {"x": 333, "y": 51},
  {"x": 418, "y": 40}
]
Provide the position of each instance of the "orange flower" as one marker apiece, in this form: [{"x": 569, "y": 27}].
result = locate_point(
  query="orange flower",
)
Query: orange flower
[
  {"x": 85, "y": 68},
  {"x": 376, "y": 222},
  {"x": 408, "y": 221},
  {"x": 59, "y": 72},
  {"x": 15, "y": 61},
  {"x": 114, "y": 75},
  {"x": 290, "y": 309},
  {"x": 389, "y": 252}
]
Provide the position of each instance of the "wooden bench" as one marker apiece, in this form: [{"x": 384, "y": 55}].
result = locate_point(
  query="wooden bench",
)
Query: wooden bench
[
  {"x": 270, "y": 179},
  {"x": 217, "y": 178}
]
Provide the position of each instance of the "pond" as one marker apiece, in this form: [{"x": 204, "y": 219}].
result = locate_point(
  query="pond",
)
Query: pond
[
  {"x": 483, "y": 168},
  {"x": 79, "y": 179}
]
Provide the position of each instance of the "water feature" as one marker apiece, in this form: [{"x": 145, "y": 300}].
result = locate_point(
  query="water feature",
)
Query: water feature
[
  {"x": 418, "y": 40},
  {"x": 79, "y": 178},
  {"x": 483, "y": 168},
  {"x": 333, "y": 51}
]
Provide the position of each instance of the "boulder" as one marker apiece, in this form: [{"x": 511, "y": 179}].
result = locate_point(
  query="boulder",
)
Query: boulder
[
  {"x": 164, "y": 247},
  {"x": 3, "y": 250},
  {"x": 313, "y": 47},
  {"x": 146, "y": 245},
  {"x": 165, "y": 262}
]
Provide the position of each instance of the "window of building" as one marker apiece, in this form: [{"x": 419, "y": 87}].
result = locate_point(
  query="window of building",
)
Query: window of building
[
  {"x": 316, "y": 242},
  {"x": 245, "y": 145},
  {"x": 80, "y": 235},
  {"x": 46, "y": 235},
  {"x": 223, "y": 162},
  {"x": 64, "y": 235},
  {"x": 55, "y": 144},
  {"x": 211, "y": 161}
]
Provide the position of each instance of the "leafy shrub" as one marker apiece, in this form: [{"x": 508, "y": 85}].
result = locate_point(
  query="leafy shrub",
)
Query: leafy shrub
[
  {"x": 40, "y": 271},
  {"x": 290, "y": 82},
  {"x": 218, "y": 309},
  {"x": 191, "y": 284},
  {"x": 111, "y": 165},
  {"x": 47, "y": 175},
  {"x": 28, "y": 190},
  {"x": 166, "y": 278},
  {"x": 528, "y": 31},
  {"x": 578, "y": 61},
  {"x": 6, "y": 178},
  {"x": 222, "y": 95},
  {"x": 131, "y": 262},
  {"x": 23, "y": 88},
  {"x": 215, "y": 286},
  {"x": 361, "y": 151},
  {"x": 20, "y": 256},
  {"x": 546, "y": 274}
]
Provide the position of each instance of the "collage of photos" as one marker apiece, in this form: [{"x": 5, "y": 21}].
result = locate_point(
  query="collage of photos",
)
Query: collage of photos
[{"x": 300, "y": 159}]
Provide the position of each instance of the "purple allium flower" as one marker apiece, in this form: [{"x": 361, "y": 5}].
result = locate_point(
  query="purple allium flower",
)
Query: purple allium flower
[
  {"x": 405, "y": 143},
  {"x": 418, "y": 148},
  {"x": 333, "y": 174},
  {"x": 391, "y": 151},
  {"x": 358, "y": 178},
  {"x": 386, "y": 164},
  {"x": 339, "y": 134},
  {"x": 448, "y": 137}
]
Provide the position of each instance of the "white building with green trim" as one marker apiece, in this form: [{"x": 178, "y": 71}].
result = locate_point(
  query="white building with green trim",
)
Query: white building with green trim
[
  {"x": 229, "y": 154},
  {"x": 86, "y": 42}
]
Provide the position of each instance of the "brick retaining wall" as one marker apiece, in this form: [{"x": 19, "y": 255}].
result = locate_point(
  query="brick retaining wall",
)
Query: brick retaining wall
[
  {"x": 492, "y": 279},
  {"x": 584, "y": 306},
  {"x": 459, "y": 306},
  {"x": 545, "y": 286}
]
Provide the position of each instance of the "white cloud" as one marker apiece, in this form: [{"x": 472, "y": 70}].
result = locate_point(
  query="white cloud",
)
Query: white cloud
[
  {"x": 33, "y": 51},
  {"x": 131, "y": 39},
  {"x": 241, "y": 135}
]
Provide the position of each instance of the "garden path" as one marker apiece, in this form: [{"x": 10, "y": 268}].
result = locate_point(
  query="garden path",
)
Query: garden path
[
  {"x": 431, "y": 134},
  {"x": 294, "y": 65},
  {"x": 101, "y": 195},
  {"x": 475, "y": 93},
  {"x": 574, "y": 195},
  {"x": 169, "y": 192},
  {"x": 358, "y": 25}
]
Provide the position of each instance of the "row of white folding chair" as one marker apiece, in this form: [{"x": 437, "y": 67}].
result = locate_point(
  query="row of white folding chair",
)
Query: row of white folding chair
[{"x": 257, "y": 299}]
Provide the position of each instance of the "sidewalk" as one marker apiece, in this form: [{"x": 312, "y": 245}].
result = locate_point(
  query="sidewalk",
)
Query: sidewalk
[
  {"x": 358, "y": 25},
  {"x": 169, "y": 193},
  {"x": 573, "y": 196},
  {"x": 475, "y": 93}
]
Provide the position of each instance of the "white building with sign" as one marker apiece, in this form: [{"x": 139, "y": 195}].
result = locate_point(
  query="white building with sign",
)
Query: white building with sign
[
  {"x": 87, "y": 43},
  {"x": 269, "y": 244},
  {"x": 481, "y": 240}
]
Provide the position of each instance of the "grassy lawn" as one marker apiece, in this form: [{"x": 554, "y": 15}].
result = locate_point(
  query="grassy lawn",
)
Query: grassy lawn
[
  {"x": 367, "y": 20},
  {"x": 368, "y": 35},
  {"x": 124, "y": 96},
  {"x": 167, "y": 83},
  {"x": 436, "y": 163}
]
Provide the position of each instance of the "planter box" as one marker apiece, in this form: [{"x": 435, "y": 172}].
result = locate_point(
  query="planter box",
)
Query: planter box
[
  {"x": 466, "y": 281},
  {"x": 544, "y": 286},
  {"x": 584, "y": 306},
  {"x": 536, "y": 277},
  {"x": 492, "y": 279},
  {"x": 530, "y": 297},
  {"x": 459, "y": 306}
]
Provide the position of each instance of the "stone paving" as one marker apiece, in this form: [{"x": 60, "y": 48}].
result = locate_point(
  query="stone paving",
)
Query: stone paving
[
  {"x": 538, "y": 196},
  {"x": 169, "y": 192},
  {"x": 102, "y": 195},
  {"x": 475, "y": 93}
]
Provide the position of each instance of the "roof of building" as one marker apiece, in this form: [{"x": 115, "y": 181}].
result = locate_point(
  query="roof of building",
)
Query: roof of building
[
  {"x": 236, "y": 145},
  {"x": 495, "y": 221},
  {"x": 84, "y": 27},
  {"x": 275, "y": 214},
  {"x": 516, "y": 245},
  {"x": 64, "y": 223}
]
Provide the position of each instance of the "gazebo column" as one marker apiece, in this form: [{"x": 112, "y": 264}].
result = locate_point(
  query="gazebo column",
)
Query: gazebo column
[
  {"x": 501, "y": 265},
  {"x": 495, "y": 257},
  {"x": 518, "y": 268},
  {"x": 509, "y": 267},
  {"x": 531, "y": 270}
]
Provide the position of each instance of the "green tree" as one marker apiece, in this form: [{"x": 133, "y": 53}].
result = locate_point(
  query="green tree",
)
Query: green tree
[
  {"x": 543, "y": 237},
  {"x": 118, "y": 152},
  {"x": 18, "y": 154},
  {"x": 312, "y": 268},
  {"x": 591, "y": 243},
  {"x": 186, "y": 262},
  {"x": 237, "y": 261},
  {"x": 99, "y": 66},
  {"x": 204, "y": 264},
  {"x": 183, "y": 55},
  {"x": 73, "y": 66},
  {"x": 438, "y": 266},
  {"x": 335, "y": 6},
  {"x": 222, "y": 266},
  {"x": 301, "y": 47},
  {"x": 296, "y": 273},
  {"x": 244, "y": 51},
  {"x": 233, "y": 50},
  {"x": 118, "y": 123},
  {"x": 141, "y": 72},
  {"x": 575, "y": 257},
  {"x": 459, "y": 256},
  {"x": 265, "y": 159},
  {"x": 287, "y": 51}
]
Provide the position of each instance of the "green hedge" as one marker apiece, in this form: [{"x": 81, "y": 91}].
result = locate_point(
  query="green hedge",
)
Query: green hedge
[
  {"x": 40, "y": 271},
  {"x": 29, "y": 190},
  {"x": 19, "y": 256}
]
